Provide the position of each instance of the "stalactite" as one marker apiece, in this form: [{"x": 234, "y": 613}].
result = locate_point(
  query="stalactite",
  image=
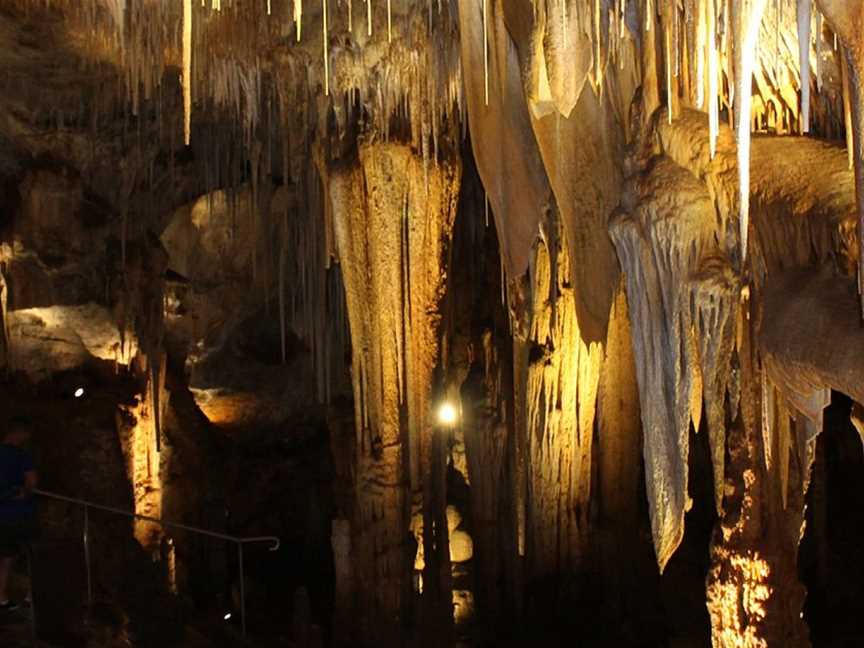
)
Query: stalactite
[
  {"x": 848, "y": 22},
  {"x": 713, "y": 79},
  {"x": 562, "y": 384},
  {"x": 298, "y": 18},
  {"x": 187, "y": 71},
  {"x": 804, "y": 13},
  {"x": 324, "y": 38},
  {"x": 485, "y": 54},
  {"x": 700, "y": 51},
  {"x": 847, "y": 110},
  {"x": 598, "y": 44},
  {"x": 670, "y": 108},
  {"x": 749, "y": 18},
  {"x": 819, "y": 64}
]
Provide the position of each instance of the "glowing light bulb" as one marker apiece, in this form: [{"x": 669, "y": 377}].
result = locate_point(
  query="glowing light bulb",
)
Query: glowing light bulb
[
  {"x": 446, "y": 414},
  {"x": 227, "y": 616},
  {"x": 79, "y": 392}
]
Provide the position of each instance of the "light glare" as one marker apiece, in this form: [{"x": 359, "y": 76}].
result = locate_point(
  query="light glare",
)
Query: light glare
[
  {"x": 446, "y": 414},
  {"x": 79, "y": 392}
]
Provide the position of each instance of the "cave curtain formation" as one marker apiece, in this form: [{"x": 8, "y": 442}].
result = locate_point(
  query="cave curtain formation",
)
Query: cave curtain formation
[{"x": 679, "y": 222}]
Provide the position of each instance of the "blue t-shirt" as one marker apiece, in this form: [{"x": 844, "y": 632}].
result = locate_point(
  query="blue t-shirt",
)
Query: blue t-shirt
[{"x": 14, "y": 464}]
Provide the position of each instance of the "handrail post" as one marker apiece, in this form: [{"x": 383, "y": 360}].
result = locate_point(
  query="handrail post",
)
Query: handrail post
[
  {"x": 28, "y": 554},
  {"x": 87, "y": 555},
  {"x": 242, "y": 589},
  {"x": 273, "y": 540}
]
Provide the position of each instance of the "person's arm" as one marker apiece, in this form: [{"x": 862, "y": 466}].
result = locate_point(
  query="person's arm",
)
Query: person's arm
[{"x": 31, "y": 479}]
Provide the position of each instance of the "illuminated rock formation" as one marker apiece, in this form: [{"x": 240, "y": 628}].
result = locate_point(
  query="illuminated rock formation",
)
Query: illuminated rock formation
[{"x": 392, "y": 220}]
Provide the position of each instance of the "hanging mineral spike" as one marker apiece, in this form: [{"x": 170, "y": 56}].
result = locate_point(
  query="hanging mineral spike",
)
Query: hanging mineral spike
[
  {"x": 804, "y": 12},
  {"x": 187, "y": 71},
  {"x": 668, "y": 58},
  {"x": 326, "y": 52},
  {"x": 847, "y": 111},
  {"x": 746, "y": 42},
  {"x": 598, "y": 47},
  {"x": 701, "y": 51},
  {"x": 713, "y": 78},
  {"x": 563, "y": 4},
  {"x": 485, "y": 54},
  {"x": 819, "y": 51}
]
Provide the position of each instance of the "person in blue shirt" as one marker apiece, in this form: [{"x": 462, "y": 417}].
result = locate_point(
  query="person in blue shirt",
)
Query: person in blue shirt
[{"x": 17, "y": 483}]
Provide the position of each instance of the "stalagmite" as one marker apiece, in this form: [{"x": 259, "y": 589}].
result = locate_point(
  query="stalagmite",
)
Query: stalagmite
[
  {"x": 187, "y": 71},
  {"x": 804, "y": 13}
]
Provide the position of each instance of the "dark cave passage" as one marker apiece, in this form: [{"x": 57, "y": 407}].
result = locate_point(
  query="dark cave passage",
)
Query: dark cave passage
[{"x": 830, "y": 563}]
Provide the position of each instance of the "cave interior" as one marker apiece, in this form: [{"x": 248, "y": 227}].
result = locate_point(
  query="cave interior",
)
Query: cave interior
[{"x": 516, "y": 322}]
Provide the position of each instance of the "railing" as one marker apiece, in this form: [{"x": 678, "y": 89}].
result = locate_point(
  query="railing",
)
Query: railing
[{"x": 240, "y": 542}]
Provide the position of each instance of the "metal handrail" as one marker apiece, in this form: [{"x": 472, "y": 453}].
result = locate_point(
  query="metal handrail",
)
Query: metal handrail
[{"x": 239, "y": 541}]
